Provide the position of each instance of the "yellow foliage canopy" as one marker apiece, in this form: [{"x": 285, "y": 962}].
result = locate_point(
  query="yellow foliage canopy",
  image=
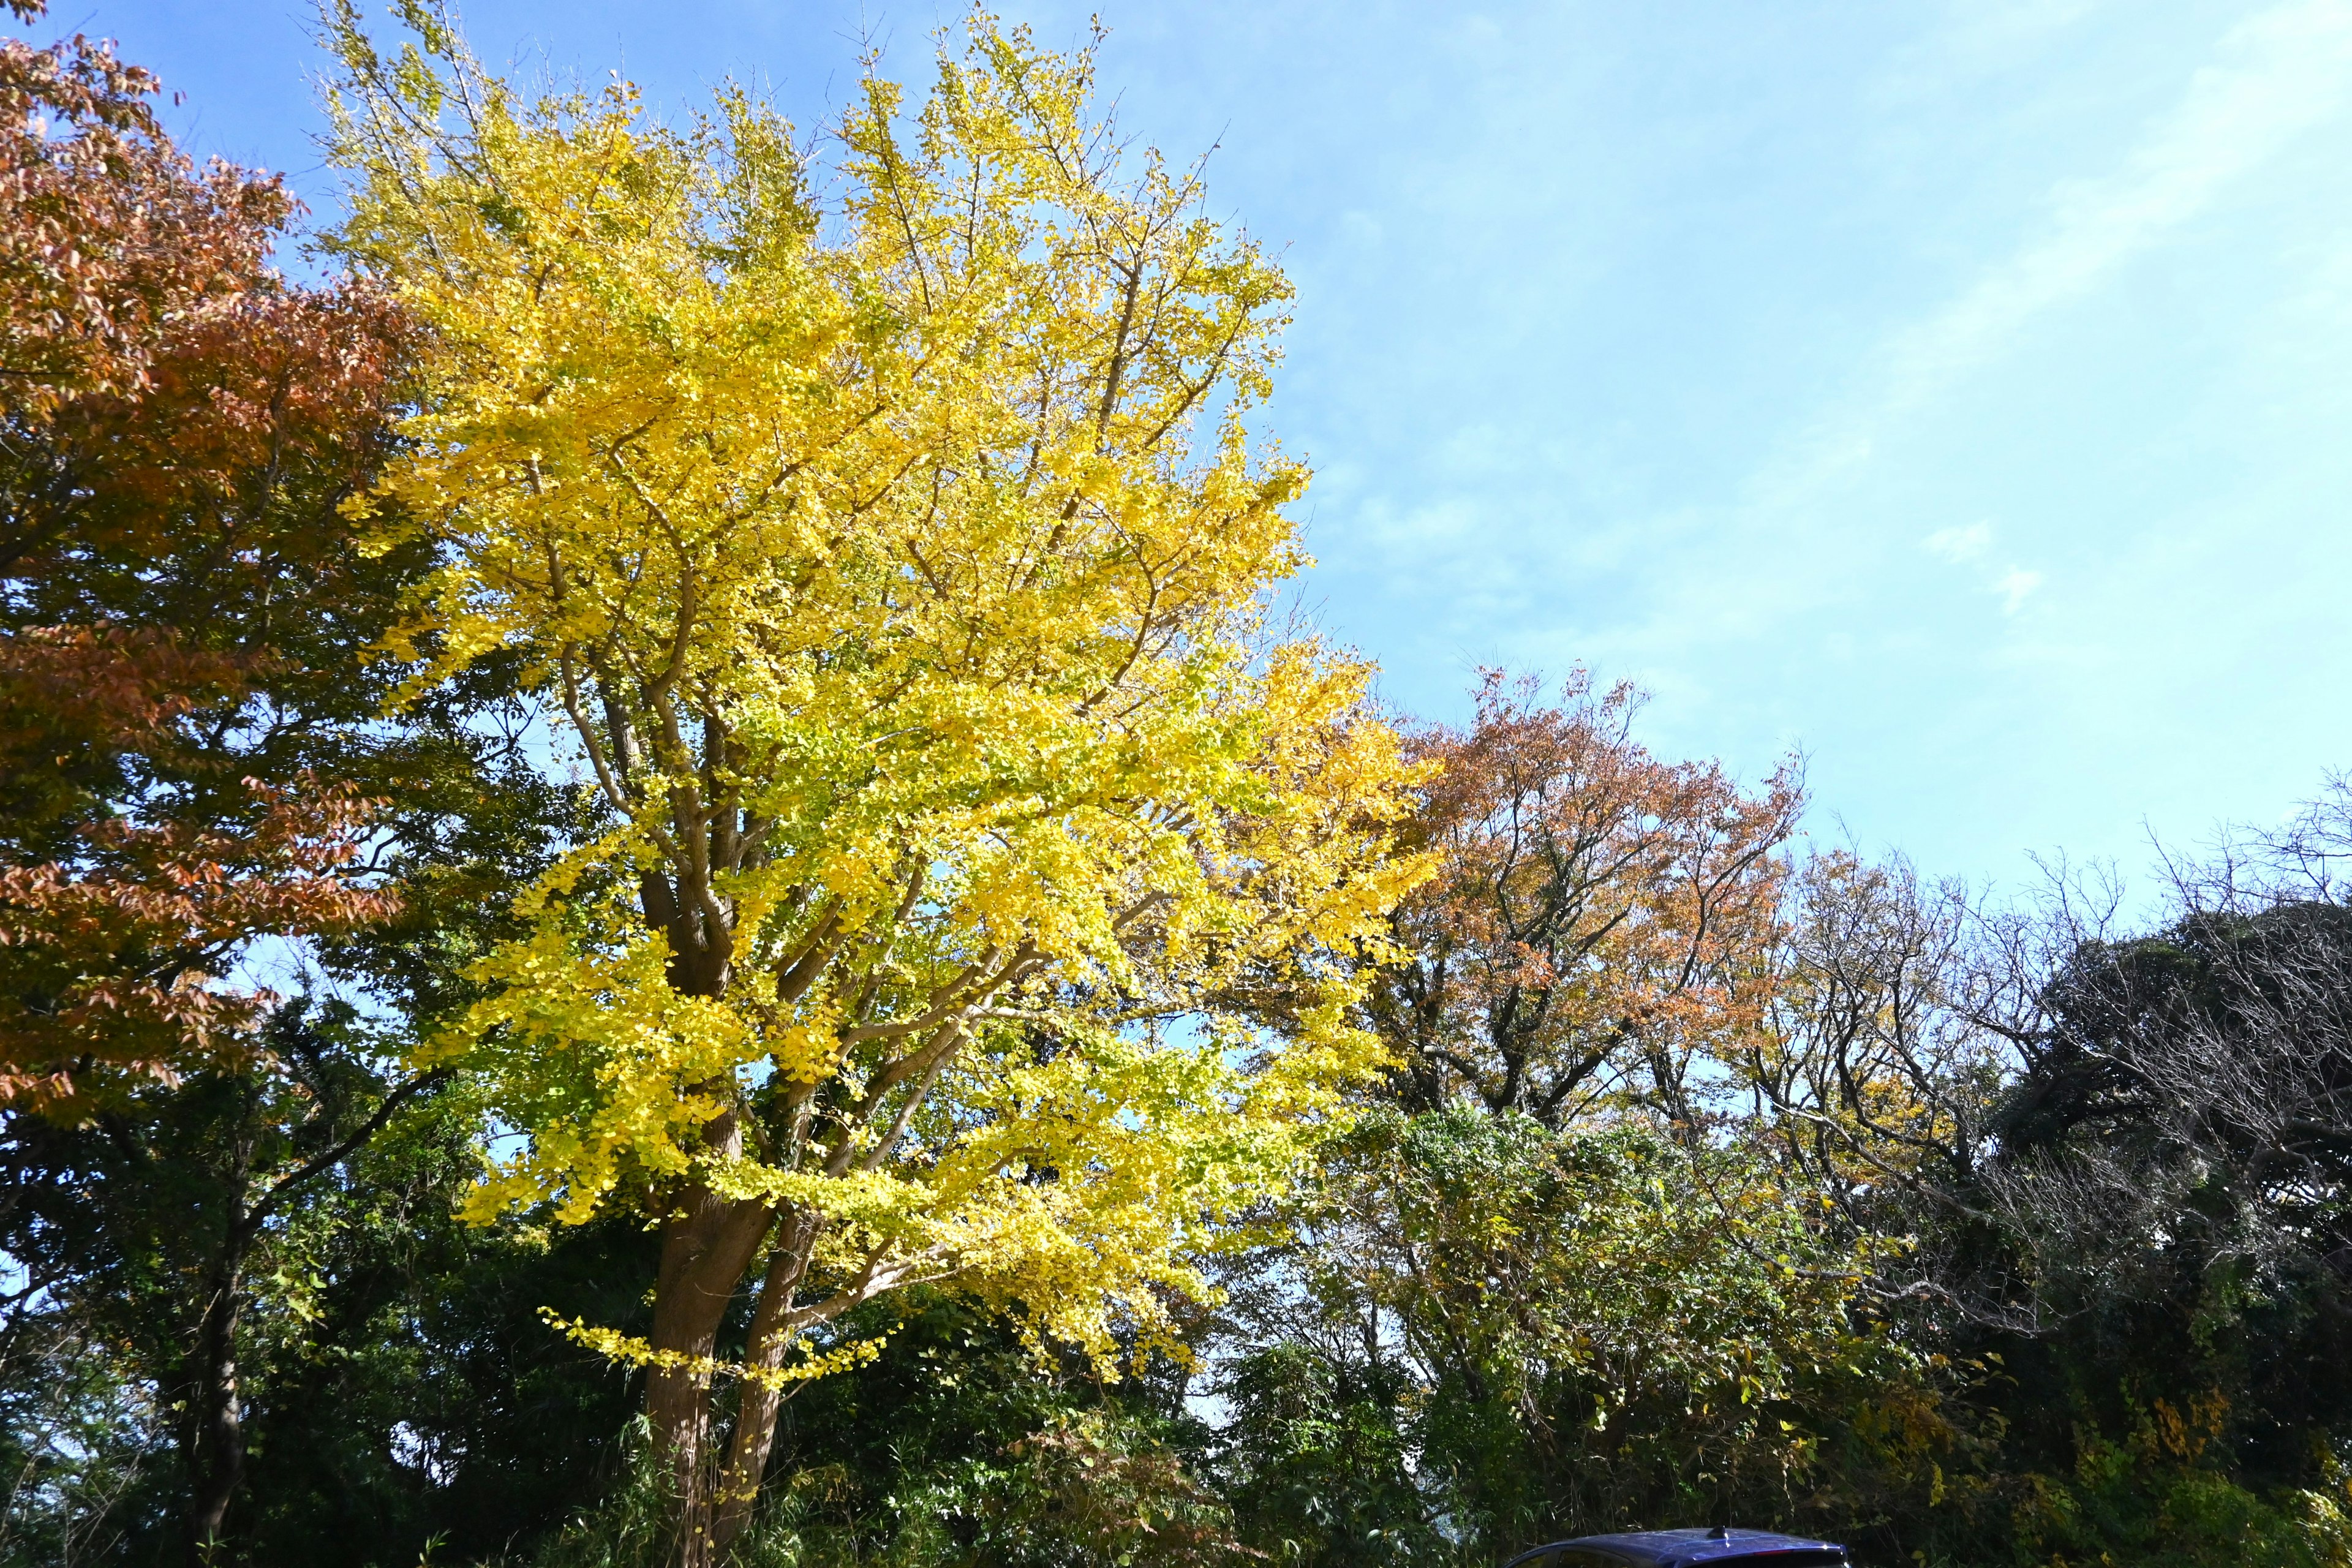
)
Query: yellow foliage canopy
[{"x": 899, "y": 555}]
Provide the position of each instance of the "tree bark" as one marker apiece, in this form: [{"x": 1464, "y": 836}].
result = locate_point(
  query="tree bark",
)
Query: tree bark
[
  {"x": 215, "y": 1444},
  {"x": 708, "y": 1245},
  {"x": 772, "y": 1332}
]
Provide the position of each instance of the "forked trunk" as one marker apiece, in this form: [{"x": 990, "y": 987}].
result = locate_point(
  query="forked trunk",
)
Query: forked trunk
[
  {"x": 707, "y": 1246},
  {"x": 763, "y": 1350}
]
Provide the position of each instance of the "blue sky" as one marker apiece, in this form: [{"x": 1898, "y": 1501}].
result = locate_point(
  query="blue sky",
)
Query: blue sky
[{"x": 1957, "y": 392}]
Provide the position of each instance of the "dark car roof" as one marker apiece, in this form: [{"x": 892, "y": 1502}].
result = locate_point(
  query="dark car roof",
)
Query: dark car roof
[{"x": 1686, "y": 1548}]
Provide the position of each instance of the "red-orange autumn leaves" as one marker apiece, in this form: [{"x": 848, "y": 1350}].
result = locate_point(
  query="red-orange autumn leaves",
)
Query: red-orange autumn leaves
[
  {"x": 1601, "y": 921},
  {"x": 175, "y": 421}
]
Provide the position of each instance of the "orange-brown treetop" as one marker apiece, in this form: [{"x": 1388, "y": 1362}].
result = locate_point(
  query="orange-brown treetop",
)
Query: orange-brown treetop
[{"x": 1599, "y": 919}]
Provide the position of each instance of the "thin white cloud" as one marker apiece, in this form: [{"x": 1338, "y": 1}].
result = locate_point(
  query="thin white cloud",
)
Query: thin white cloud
[
  {"x": 2275, "y": 76},
  {"x": 1960, "y": 545},
  {"x": 2272, "y": 78},
  {"x": 1966, "y": 546},
  {"x": 1995, "y": 34}
]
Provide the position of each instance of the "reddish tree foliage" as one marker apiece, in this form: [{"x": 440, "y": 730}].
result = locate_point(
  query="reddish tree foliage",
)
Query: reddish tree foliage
[
  {"x": 177, "y": 422},
  {"x": 113, "y": 947},
  {"x": 86, "y": 265},
  {"x": 1599, "y": 917},
  {"x": 158, "y": 382}
]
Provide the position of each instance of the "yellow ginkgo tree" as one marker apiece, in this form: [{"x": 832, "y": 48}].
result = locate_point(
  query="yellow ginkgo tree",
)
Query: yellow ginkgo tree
[{"x": 972, "y": 874}]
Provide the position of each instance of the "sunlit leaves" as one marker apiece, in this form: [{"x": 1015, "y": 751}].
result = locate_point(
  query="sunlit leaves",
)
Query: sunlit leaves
[
  {"x": 893, "y": 541},
  {"x": 174, "y": 420}
]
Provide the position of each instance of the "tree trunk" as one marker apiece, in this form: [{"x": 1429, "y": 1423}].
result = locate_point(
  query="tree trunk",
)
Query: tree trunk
[
  {"x": 214, "y": 1446},
  {"x": 755, "y": 1414},
  {"x": 707, "y": 1246}
]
